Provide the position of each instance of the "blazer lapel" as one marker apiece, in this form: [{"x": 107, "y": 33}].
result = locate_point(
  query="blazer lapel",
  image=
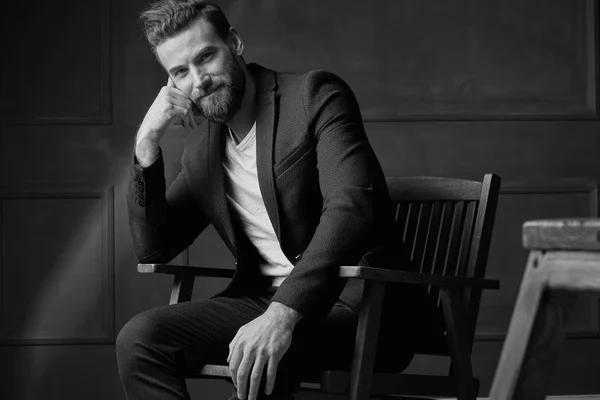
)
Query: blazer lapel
[
  {"x": 265, "y": 139},
  {"x": 223, "y": 221}
]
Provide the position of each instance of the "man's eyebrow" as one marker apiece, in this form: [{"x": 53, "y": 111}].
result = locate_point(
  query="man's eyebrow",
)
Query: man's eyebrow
[{"x": 195, "y": 57}]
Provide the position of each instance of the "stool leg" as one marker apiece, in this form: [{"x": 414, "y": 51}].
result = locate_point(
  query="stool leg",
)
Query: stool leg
[
  {"x": 521, "y": 324},
  {"x": 546, "y": 340}
]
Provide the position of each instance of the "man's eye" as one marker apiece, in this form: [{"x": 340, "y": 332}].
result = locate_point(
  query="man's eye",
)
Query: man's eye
[
  {"x": 206, "y": 56},
  {"x": 179, "y": 72}
]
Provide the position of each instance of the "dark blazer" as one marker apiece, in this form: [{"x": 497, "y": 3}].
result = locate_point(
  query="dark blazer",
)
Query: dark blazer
[{"x": 321, "y": 182}]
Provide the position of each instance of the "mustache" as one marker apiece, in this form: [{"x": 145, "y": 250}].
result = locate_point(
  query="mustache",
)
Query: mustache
[{"x": 205, "y": 90}]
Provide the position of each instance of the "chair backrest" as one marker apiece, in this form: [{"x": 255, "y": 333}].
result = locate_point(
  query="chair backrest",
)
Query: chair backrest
[{"x": 447, "y": 225}]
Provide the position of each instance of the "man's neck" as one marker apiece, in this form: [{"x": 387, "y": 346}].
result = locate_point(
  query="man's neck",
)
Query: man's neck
[{"x": 244, "y": 119}]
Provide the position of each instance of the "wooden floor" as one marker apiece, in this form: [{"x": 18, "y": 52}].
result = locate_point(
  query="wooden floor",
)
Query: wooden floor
[{"x": 573, "y": 397}]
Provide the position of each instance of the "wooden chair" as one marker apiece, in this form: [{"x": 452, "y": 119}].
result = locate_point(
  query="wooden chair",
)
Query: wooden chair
[
  {"x": 447, "y": 224},
  {"x": 564, "y": 263}
]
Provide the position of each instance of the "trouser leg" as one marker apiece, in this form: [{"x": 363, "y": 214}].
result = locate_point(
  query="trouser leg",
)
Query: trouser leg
[{"x": 155, "y": 347}]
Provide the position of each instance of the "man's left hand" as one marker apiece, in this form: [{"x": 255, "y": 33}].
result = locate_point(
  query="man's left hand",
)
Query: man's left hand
[{"x": 261, "y": 342}]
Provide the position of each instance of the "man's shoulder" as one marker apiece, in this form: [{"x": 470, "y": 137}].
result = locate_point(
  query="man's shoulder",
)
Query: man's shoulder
[
  {"x": 314, "y": 79},
  {"x": 293, "y": 80}
]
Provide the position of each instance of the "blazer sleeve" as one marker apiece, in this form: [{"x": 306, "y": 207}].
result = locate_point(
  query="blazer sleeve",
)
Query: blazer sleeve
[
  {"x": 356, "y": 207},
  {"x": 161, "y": 224}
]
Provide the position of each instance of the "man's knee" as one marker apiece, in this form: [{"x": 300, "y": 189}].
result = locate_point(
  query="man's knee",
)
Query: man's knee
[{"x": 137, "y": 336}]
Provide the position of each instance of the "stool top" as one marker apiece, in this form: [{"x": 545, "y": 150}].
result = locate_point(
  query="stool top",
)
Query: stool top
[{"x": 567, "y": 233}]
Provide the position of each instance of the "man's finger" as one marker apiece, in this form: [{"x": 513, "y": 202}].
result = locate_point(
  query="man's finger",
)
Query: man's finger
[
  {"x": 174, "y": 94},
  {"x": 235, "y": 359},
  {"x": 170, "y": 82},
  {"x": 243, "y": 371},
  {"x": 184, "y": 122},
  {"x": 192, "y": 120},
  {"x": 179, "y": 117},
  {"x": 180, "y": 101},
  {"x": 255, "y": 377},
  {"x": 232, "y": 345},
  {"x": 271, "y": 375}
]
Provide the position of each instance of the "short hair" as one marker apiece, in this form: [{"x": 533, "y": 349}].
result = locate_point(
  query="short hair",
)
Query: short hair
[{"x": 165, "y": 19}]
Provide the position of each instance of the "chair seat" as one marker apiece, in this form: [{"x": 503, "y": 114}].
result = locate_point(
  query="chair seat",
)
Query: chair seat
[{"x": 337, "y": 381}]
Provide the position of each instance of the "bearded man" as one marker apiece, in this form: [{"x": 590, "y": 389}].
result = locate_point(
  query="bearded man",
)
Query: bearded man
[{"x": 281, "y": 166}]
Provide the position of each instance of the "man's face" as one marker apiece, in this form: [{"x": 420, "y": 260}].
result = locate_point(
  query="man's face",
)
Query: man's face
[{"x": 206, "y": 69}]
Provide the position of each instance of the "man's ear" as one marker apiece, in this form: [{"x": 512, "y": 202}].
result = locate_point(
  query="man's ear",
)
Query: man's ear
[{"x": 234, "y": 40}]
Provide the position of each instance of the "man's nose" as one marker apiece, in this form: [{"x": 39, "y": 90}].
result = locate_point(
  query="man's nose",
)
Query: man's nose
[{"x": 199, "y": 78}]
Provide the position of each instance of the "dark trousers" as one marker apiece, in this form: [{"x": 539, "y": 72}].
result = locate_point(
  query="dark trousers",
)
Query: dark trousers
[{"x": 156, "y": 348}]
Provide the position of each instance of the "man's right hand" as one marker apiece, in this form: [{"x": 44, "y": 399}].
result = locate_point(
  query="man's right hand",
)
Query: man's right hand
[{"x": 171, "y": 104}]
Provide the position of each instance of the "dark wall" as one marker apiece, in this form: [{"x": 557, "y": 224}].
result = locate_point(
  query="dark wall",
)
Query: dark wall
[{"x": 452, "y": 88}]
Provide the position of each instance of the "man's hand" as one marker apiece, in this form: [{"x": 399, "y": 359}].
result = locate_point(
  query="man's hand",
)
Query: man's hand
[
  {"x": 261, "y": 342},
  {"x": 170, "y": 104}
]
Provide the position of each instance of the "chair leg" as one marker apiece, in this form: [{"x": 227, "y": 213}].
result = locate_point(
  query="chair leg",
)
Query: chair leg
[
  {"x": 519, "y": 331},
  {"x": 460, "y": 349},
  {"x": 366, "y": 341},
  {"x": 182, "y": 289}
]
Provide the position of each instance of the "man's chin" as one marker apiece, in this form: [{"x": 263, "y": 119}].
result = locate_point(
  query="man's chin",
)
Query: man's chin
[
  {"x": 216, "y": 117},
  {"x": 214, "y": 110}
]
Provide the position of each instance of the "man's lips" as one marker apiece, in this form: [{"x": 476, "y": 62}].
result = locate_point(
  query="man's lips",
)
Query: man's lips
[{"x": 207, "y": 94}]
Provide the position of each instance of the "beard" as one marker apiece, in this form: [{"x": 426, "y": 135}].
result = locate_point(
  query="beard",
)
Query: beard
[{"x": 221, "y": 97}]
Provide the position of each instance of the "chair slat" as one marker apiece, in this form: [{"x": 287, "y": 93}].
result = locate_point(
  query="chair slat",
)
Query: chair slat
[
  {"x": 441, "y": 249},
  {"x": 410, "y": 228},
  {"x": 465, "y": 244},
  {"x": 421, "y": 234},
  {"x": 402, "y": 209},
  {"x": 433, "y": 234},
  {"x": 456, "y": 233}
]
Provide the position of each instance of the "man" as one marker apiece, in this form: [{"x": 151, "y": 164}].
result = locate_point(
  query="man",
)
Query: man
[{"x": 281, "y": 166}]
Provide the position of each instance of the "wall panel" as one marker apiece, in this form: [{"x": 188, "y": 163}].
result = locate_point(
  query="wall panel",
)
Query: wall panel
[
  {"x": 56, "y": 267},
  {"x": 437, "y": 60},
  {"x": 56, "y": 68}
]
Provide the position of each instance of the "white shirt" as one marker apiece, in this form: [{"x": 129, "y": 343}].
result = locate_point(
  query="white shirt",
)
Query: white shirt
[{"x": 243, "y": 194}]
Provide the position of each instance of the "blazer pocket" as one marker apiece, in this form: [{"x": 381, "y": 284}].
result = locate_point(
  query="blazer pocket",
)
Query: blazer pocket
[{"x": 299, "y": 153}]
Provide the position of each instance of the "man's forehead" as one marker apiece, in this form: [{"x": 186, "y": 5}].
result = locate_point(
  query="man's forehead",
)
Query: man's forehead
[{"x": 195, "y": 37}]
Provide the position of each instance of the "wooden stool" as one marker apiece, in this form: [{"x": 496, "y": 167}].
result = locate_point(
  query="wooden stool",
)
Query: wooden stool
[{"x": 564, "y": 261}]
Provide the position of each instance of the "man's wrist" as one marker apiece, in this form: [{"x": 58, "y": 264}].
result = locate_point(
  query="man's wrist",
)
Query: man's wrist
[
  {"x": 146, "y": 152},
  {"x": 286, "y": 314}
]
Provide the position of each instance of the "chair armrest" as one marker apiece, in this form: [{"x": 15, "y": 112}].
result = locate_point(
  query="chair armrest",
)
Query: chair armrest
[
  {"x": 389, "y": 275},
  {"x": 185, "y": 270}
]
